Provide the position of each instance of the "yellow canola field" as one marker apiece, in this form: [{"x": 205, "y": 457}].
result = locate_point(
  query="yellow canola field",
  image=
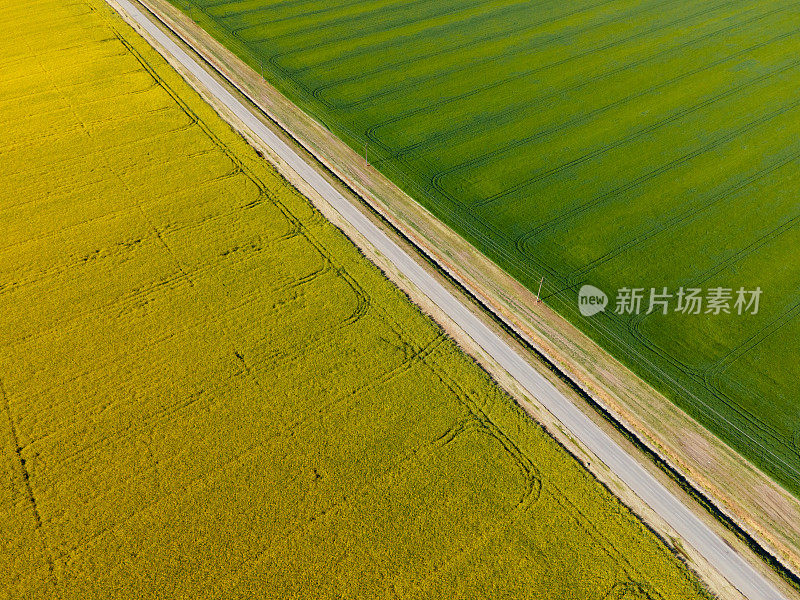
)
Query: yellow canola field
[{"x": 207, "y": 392}]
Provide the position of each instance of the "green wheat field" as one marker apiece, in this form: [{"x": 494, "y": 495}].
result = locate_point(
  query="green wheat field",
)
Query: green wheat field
[{"x": 619, "y": 143}]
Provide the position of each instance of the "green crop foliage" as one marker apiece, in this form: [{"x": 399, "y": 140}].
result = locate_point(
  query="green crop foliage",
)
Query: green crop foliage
[
  {"x": 617, "y": 143},
  {"x": 207, "y": 392}
]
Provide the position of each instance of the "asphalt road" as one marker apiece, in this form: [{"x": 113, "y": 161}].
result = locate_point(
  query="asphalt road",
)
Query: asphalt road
[{"x": 693, "y": 531}]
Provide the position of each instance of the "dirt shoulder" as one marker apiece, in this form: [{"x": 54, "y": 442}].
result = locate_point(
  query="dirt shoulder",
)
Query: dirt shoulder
[{"x": 745, "y": 495}]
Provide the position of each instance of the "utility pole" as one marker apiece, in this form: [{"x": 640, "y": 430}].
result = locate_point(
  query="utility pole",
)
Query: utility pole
[
  {"x": 366, "y": 157},
  {"x": 539, "y": 293},
  {"x": 261, "y": 62}
]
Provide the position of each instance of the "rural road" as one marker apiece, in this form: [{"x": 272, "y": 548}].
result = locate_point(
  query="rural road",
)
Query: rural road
[{"x": 693, "y": 531}]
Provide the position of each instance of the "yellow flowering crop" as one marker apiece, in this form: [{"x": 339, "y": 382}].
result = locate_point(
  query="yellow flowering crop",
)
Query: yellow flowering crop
[{"x": 207, "y": 392}]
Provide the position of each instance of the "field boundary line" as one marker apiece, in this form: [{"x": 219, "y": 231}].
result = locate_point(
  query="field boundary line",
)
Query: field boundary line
[{"x": 24, "y": 474}]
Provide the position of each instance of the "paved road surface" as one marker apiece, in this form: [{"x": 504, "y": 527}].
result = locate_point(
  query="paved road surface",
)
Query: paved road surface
[{"x": 738, "y": 572}]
